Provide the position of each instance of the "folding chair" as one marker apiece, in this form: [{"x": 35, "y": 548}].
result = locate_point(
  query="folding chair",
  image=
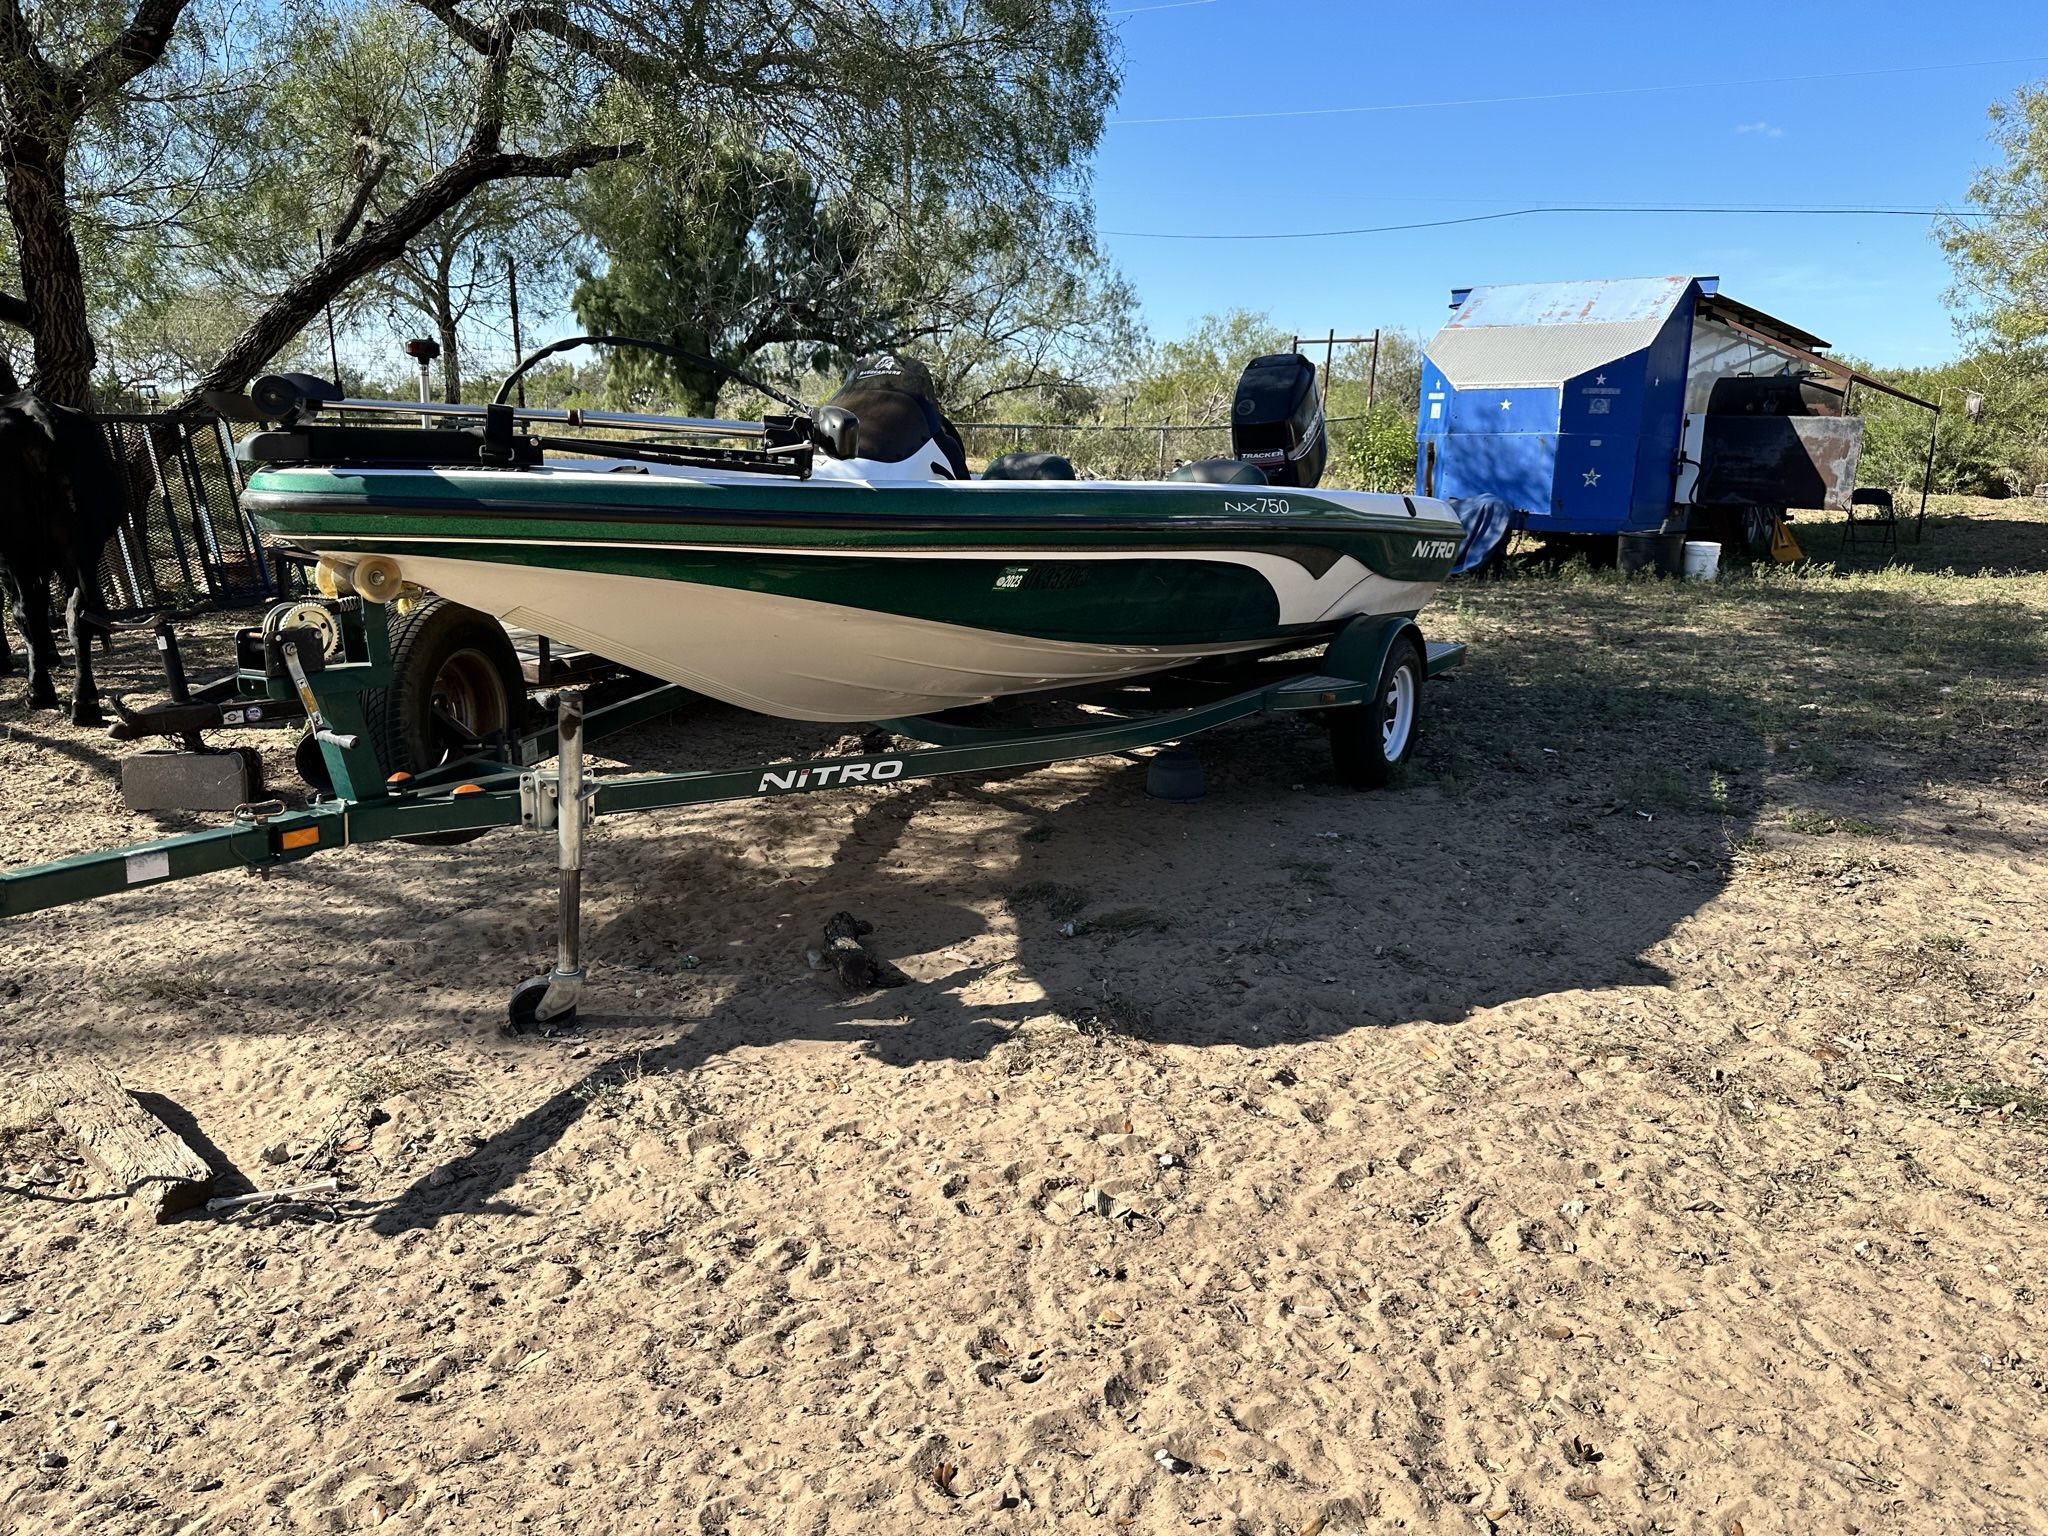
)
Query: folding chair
[{"x": 1878, "y": 515}]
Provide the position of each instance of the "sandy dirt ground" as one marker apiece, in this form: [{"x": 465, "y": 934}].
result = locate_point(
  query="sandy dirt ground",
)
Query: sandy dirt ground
[{"x": 1636, "y": 1120}]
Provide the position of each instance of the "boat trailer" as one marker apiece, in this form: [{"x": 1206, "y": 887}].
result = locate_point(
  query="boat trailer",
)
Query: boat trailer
[{"x": 319, "y": 668}]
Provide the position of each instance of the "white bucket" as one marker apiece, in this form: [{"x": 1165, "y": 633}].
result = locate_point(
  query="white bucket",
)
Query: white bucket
[{"x": 1702, "y": 560}]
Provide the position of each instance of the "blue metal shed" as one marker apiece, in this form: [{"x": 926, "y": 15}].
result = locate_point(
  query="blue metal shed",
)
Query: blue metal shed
[
  {"x": 1567, "y": 399},
  {"x": 1634, "y": 405}
]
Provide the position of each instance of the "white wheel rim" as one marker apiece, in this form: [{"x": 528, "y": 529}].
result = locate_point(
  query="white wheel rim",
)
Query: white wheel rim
[{"x": 1399, "y": 722}]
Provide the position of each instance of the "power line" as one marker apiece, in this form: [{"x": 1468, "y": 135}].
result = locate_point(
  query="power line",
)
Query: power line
[
  {"x": 1523, "y": 213},
  {"x": 1618, "y": 90}
]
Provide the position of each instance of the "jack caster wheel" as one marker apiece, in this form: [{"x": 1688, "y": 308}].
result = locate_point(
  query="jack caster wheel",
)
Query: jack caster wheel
[{"x": 524, "y": 1011}]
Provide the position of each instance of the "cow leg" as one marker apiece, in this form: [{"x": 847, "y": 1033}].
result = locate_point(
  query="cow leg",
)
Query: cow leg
[
  {"x": 85, "y": 693},
  {"x": 31, "y": 603},
  {"x": 42, "y": 643},
  {"x": 6, "y": 655},
  {"x": 97, "y": 627}
]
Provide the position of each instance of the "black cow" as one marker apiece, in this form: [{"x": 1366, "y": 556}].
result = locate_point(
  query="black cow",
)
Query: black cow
[{"x": 60, "y": 502}]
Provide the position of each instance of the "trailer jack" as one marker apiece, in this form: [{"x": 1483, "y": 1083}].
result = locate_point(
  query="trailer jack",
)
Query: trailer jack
[{"x": 560, "y": 797}]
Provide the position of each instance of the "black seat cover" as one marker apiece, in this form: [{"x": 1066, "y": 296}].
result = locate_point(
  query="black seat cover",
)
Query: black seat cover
[
  {"x": 1219, "y": 472},
  {"x": 1030, "y": 466},
  {"x": 898, "y": 411}
]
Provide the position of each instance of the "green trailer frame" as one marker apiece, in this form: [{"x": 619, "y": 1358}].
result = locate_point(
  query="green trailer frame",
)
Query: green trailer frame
[{"x": 480, "y": 793}]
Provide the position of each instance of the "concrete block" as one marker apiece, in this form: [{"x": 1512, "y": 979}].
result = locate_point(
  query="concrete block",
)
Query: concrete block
[{"x": 191, "y": 781}]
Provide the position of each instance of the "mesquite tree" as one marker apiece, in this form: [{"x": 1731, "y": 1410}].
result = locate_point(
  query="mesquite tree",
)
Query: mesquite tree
[
  {"x": 1000, "y": 100},
  {"x": 2001, "y": 260}
]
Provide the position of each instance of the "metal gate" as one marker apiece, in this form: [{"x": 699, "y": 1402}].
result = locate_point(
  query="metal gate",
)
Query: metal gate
[{"x": 185, "y": 539}]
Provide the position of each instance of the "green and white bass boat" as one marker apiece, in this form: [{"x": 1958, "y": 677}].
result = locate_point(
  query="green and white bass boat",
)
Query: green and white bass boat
[{"x": 843, "y": 564}]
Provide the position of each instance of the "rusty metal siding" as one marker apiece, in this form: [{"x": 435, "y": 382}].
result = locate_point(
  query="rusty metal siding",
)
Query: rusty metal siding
[{"x": 1808, "y": 462}]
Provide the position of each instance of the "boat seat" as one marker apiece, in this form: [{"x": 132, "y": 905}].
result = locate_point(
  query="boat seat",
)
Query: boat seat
[
  {"x": 899, "y": 412},
  {"x": 1219, "y": 472},
  {"x": 1030, "y": 466}
]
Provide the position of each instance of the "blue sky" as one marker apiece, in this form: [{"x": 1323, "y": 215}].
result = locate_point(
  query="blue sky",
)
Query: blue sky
[{"x": 1872, "y": 285}]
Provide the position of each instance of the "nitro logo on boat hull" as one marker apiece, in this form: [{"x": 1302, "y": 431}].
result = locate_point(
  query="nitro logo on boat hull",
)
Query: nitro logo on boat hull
[
  {"x": 829, "y": 775},
  {"x": 1435, "y": 549}
]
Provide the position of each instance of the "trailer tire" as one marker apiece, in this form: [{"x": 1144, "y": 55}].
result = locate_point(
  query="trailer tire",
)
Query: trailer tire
[
  {"x": 1369, "y": 741},
  {"x": 456, "y": 687}
]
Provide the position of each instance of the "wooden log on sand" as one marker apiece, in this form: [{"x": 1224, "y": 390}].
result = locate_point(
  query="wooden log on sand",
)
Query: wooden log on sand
[{"x": 136, "y": 1151}]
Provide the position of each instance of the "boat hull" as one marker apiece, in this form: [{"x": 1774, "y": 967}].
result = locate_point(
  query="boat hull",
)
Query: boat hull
[
  {"x": 808, "y": 660},
  {"x": 861, "y": 603}
]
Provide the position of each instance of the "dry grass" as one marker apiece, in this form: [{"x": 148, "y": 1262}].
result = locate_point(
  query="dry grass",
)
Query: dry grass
[
  {"x": 1688, "y": 686},
  {"x": 379, "y": 1079}
]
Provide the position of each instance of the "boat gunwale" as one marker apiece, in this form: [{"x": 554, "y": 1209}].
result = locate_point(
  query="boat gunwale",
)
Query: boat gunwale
[{"x": 1322, "y": 520}]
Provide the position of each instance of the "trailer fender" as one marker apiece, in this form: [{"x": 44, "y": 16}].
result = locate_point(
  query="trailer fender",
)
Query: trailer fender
[{"x": 1361, "y": 648}]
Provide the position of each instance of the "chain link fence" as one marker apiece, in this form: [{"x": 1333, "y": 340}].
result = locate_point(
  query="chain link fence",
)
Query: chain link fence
[{"x": 1375, "y": 453}]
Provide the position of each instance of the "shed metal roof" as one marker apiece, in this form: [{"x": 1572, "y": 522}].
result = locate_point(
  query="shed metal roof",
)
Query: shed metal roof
[
  {"x": 1719, "y": 306},
  {"x": 1528, "y": 335}
]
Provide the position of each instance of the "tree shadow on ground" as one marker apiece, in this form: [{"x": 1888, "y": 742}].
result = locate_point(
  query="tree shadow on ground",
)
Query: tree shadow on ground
[{"x": 1199, "y": 926}]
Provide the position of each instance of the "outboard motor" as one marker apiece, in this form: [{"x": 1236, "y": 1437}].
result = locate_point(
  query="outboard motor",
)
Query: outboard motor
[
  {"x": 903, "y": 435},
  {"x": 1276, "y": 421}
]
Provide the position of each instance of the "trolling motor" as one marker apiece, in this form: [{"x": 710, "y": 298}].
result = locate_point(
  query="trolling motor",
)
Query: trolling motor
[{"x": 281, "y": 397}]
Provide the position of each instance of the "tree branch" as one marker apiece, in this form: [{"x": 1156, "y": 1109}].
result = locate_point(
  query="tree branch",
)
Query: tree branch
[
  {"x": 547, "y": 20},
  {"x": 378, "y": 243},
  {"x": 18, "y": 44},
  {"x": 140, "y": 46},
  {"x": 376, "y": 160}
]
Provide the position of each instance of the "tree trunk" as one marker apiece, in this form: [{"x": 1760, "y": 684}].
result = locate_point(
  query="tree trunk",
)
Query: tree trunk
[
  {"x": 444, "y": 321},
  {"x": 451, "y": 359},
  {"x": 52, "y": 281},
  {"x": 700, "y": 393}
]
